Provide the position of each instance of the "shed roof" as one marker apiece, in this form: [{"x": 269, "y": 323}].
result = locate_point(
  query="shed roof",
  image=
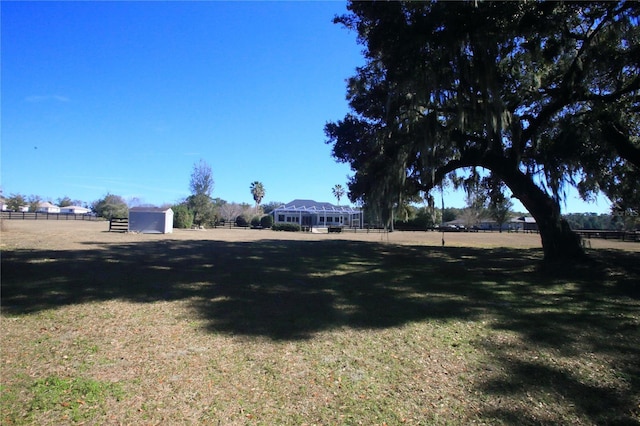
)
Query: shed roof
[{"x": 150, "y": 209}]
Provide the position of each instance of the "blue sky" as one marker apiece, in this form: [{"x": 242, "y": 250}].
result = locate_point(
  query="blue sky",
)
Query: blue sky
[{"x": 125, "y": 97}]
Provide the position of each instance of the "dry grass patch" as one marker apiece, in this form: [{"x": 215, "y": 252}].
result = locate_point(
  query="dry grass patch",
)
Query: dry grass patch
[
  {"x": 260, "y": 327},
  {"x": 168, "y": 369}
]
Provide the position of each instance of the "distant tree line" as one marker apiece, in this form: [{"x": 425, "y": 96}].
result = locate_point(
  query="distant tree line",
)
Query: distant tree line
[
  {"x": 198, "y": 209},
  {"x": 484, "y": 202},
  {"x": 425, "y": 218},
  {"x": 615, "y": 221}
]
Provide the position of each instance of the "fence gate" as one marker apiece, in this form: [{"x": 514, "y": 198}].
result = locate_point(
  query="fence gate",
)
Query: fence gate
[{"x": 119, "y": 224}]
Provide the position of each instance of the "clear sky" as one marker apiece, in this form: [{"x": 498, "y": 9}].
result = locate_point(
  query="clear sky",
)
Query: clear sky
[{"x": 125, "y": 97}]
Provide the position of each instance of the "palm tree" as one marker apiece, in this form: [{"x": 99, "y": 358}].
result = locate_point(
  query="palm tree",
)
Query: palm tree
[
  {"x": 338, "y": 192},
  {"x": 257, "y": 190}
]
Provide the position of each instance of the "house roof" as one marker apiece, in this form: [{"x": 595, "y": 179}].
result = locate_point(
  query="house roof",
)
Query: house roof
[
  {"x": 315, "y": 206},
  {"x": 149, "y": 209},
  {"x": 525, "y": 219},
  {"x": 74, "y": 207},
  {"x": 46, "y": 204}
]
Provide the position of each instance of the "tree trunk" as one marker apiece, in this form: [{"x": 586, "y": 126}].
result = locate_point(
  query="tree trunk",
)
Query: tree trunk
[{"x": 559, "y": 242}]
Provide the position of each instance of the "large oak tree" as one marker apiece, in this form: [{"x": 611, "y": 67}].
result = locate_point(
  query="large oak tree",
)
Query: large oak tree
[{"x": 542, "y": 95}]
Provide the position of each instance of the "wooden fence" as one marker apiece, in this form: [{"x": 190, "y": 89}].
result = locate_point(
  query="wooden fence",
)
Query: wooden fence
[
  {"x": 230, "y": 225},
  {"x": 119, "y": 224},
  {"x": 354, "y": 230},
  {"x": 609, "y": 235},
  {"x": 47, "y": 216}
]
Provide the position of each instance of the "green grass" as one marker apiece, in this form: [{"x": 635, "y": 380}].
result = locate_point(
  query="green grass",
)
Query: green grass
[
  {"x": 71, "y": 400},
  {"x": 74, "y": 394},
  {"x": 318, "y": 332}
]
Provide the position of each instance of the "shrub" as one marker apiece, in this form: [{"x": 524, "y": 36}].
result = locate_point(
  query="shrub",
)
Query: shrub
[
  {"x": 241, "y": 221},
  {"x": 111, "y": 206},
  {"x": 266, "y": 221},
  {"x": 182, "y": 216},
  {"x": 421, "y": 223},
  {"x": 255, "y": 221},
  {"x": 291, "y": 227}
]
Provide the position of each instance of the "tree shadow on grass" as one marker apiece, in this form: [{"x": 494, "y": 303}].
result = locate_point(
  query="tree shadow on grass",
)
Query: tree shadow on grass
[
  {"x": 273, "y": 288},
  {"x": 288, "y": 290}
]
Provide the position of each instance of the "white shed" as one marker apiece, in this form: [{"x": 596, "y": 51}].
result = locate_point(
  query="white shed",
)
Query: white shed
[{"x": 151, "y": 220}]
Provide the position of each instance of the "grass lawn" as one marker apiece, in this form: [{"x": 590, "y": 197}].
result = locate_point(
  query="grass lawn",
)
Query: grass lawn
[{"x": 262, "y": 328}]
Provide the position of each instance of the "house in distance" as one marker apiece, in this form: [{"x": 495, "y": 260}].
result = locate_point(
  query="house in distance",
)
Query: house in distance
[
  {"x": 74, "y": 210},
  {"x": 151, "y": 220},
  {"x": 47, "y": 207},
  {"x": 313, "y": 214}
]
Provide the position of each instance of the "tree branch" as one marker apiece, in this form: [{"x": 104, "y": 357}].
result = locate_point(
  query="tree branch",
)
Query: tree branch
[
  {"x": 621, "y": 142},
  {"x": 614, "y": 96},
  {"x": 470, "y": 158},
  {"x": 566, "y": 92}
]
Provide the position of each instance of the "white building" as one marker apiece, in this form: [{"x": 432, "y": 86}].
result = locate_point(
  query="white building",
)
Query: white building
[
  {"x": 151, "y": 220},
  {"x": 47, "y": 207},
  {"x": 309, "y": 213},
  {"x": 524, "y": 223},
  {"x": 74, "y": 210}
]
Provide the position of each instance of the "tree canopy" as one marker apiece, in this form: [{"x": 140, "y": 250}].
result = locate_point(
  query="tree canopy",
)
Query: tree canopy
[
  {"x": 257, "y": 191},
  {"x": 542, "y": 95},
  {"x": 338, "y": 192},
  {"x": 201, "y": 182},
  {"x": 110, "y": 206},
  {"x": 201, "y": 185},
  {"x": 16, "y": 201}
]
